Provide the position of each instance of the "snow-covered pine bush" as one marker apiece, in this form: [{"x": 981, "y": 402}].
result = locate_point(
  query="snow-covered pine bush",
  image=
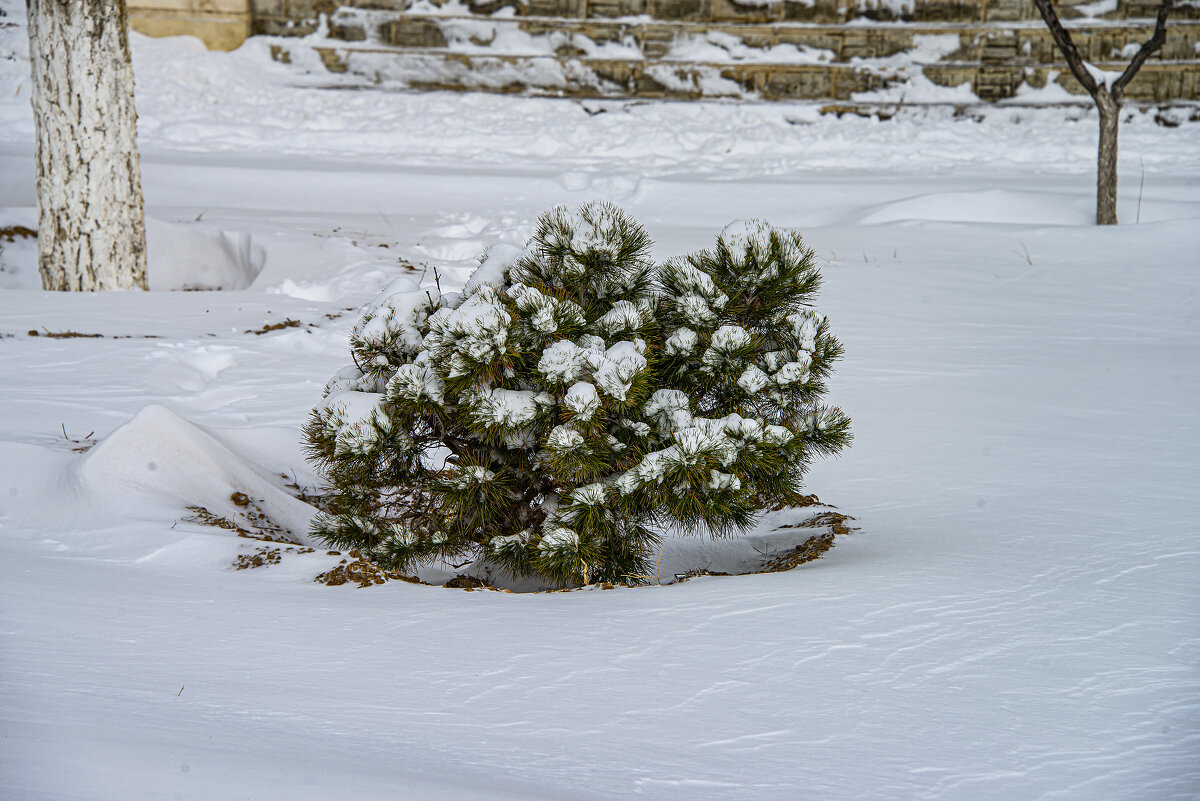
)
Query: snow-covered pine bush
[{"x": 575, "y": 398}]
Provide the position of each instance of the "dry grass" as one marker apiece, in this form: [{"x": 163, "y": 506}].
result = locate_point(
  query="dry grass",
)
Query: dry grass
[
  {"x": 310, "y": 495},
  {"x": 462, "y": 582},
  {"x": 800, "y": 502},
  {"x": 361, "y": 572},
  {"x": 79, "y": 444},
  {"x": 260, "y": 558},
  {"x": 697, "y": 572},
  {"x": 252, "y": 523},
  {"x": 836, "y": 521},
  {"x": 288, "y": 323},
  {"x": 266, "y": 556},
  {"x": 812, "y": 548},
  {"x": 10, "y": 233},
  {"x": 33, "y": 332}
]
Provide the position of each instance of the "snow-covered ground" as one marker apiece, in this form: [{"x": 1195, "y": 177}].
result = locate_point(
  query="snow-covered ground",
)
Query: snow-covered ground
[{"x": 1017, "y": 619}]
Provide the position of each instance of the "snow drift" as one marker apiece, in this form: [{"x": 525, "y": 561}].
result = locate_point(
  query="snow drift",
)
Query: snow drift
[
  {"x": 159, "y": 459},
  {"x": 189, "y": 257}
]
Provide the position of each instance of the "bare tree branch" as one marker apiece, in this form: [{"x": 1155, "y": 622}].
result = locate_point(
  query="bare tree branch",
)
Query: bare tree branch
[
  {"x": 1107, "y": 95},
  {"x": 1063, "y": 39},
  {"x": 1147, "y": 49}
]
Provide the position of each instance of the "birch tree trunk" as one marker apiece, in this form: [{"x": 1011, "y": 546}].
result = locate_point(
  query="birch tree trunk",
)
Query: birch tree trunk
[{"x": 91, "y": 222}]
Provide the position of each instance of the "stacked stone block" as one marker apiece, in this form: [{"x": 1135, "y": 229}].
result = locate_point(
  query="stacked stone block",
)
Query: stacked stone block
[
  {"x": 1002, "y": 45},
  {"x": 221, "y": 24}
]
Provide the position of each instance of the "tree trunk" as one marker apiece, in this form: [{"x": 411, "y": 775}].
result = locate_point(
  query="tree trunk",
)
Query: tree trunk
[
  {"x": 91, "y": 223},
  {"x": 1106, "y": 163}
]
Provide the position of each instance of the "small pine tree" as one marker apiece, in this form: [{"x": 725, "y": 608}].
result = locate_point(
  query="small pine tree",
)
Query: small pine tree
[{"x": 575, "y": 398}]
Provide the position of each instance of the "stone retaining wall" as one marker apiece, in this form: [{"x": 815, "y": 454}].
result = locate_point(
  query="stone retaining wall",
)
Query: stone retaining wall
[
  {"x": 1013, "y": 46},
  {"x": 1002, "y": 44},
  {"x": 224, "y": 24},
  {"x": 271, "y": 15}
]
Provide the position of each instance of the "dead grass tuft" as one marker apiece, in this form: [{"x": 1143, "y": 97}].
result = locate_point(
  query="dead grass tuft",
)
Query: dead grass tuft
[
  {"x": 365, "y": 574},
  {"x": 252, "y": 522},
  {"x": 812, "y": 548},
  {"x": 79, "y": 444},
  {"x": 265, "y": 556},
  {"x": 9, "y": 233},
  {"x": 800, "y": 502},
  {"x": 288, "y": 323},
  {"x": 64, "y": 334},
  {"x": 697, "y": 572},
  {"x": 462, "y": 582},
  {"x": 260, "y": 558},
  {"x": 310, "y": 495},
  {"x": 362, "y": 573},
  {"x": 837, "y": 521}
]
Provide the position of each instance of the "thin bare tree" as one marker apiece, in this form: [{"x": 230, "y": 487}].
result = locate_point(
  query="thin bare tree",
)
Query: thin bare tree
[
  {"x": 91, "y": 223},
  {"x": 1108, "y": 92}
]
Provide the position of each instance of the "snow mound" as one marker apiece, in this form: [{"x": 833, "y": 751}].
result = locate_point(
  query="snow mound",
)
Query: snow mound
[
  {"x": 189, "y": 257},
  {"x": 159, "y": 459}
]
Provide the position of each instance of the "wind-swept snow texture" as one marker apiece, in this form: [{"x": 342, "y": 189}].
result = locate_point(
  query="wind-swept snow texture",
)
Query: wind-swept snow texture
[{"x": 1017, "y": 619}]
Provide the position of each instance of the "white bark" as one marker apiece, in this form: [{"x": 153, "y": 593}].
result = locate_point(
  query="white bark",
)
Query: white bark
[{"x": 91, "y": 223}]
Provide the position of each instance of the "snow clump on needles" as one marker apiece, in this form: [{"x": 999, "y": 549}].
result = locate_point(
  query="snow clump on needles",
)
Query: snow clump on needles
[{"x": 576, "y": 399}]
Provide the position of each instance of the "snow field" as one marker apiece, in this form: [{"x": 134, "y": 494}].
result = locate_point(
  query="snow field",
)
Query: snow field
[{"x": 1017, "y": 618}]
